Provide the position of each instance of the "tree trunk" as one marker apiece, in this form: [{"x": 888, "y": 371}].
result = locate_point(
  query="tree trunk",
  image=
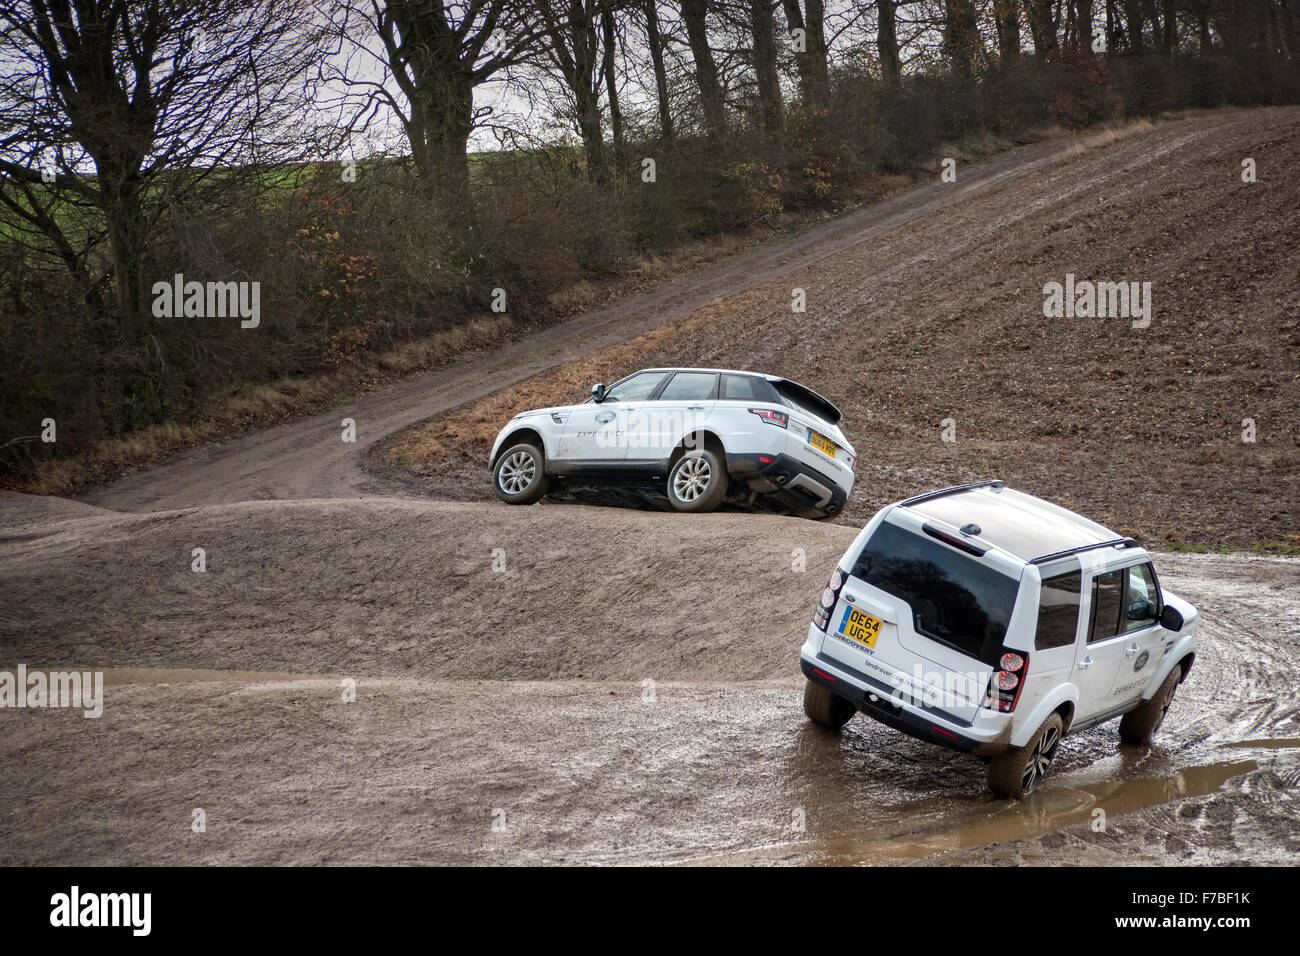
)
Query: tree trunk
[
  {"x": 1133, "y": 26},
  {"x": 1083, "y": 10},
  {"x": 695, "y": 14},
  {"x": 126, "y": 246},
  {"x": 1006, "y": 15},
  {"x": 811, "y": 61},
  {"x": 887, "y": 42},
  {"x": 1171, "y": 29},
  {"x": 763, "y": 28},
  {"x": 661, "y": 74},
  {"x": 960, "y": 35},
  {"x": 609, "y": 38},
  {"x": 1042, "y": 27}
]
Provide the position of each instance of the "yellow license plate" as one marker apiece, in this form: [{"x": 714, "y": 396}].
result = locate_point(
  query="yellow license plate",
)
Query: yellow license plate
[
  {"x": 860, "y": 627},
  {"x": 821, "y": 443}
]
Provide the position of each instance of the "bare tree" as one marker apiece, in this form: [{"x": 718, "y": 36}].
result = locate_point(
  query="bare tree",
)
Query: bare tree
[
  {"x": 961, "y": 39},
  {"x": 762, "y": 22},
  {"x": 573, "y": 49},
  {"x": 609, "y": 40},
  {"x": 887, "y": 41},
  {"x": 655, "y": 42},
  {"x": 1006, "y": 17},
  {"x": 1043, "y": 24},
  {"x": 126, "y": 106},
  {"x": 432, "y": 57},
  {"x": 811, "y": 60},
  {"x": 695, "y": 15}
]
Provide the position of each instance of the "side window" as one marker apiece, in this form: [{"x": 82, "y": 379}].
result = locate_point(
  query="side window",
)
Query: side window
[
  {"x": 1143, "y": 599},
  {"x": 1107, "y": 598},
  {"x": 690, "y": 386},
  {"x": 635, "y": 388},
  {"x": 1058, "y": 611},
  {"x": 744, "y": 388}
]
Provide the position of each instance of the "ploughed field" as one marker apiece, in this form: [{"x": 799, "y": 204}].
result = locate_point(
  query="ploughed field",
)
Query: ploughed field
[{"x": 1186, "y": 431}]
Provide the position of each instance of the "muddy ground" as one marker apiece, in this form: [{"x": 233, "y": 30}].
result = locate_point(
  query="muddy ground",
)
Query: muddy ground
[
  {"x": 1141, "y": 429},
  {"x": 631, "y": 700},
  {"x": 624, "y": 687}
]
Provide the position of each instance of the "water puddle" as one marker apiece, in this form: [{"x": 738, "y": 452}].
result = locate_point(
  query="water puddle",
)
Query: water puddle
[
  {"x": 1051, "y": 809},
  {"x": 1266, "y": 743}
]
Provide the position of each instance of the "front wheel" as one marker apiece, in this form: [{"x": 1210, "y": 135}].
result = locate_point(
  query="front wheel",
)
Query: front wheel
[
  {"x": 697, "y": 482},
  {"x": 519, "y": 477},
  {"x": 1140, "y": 724},
  {"x": 1018, "y": 772}
]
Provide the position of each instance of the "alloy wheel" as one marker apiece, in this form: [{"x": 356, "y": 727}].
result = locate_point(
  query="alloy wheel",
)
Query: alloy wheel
[
  {"x": 691, "y": 478},
  {"x": 517, "y": 473},
  {"x": 1043, "y": 753}
]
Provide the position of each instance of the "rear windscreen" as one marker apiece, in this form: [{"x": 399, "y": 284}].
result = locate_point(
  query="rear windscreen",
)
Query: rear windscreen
[
  {"x": 807, "y": 401},
  {"x": 955, "y": 598}
]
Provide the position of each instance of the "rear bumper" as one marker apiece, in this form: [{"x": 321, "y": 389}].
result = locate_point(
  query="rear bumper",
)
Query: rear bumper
[
  {"x": 790, "y": 481},
  {"x": 989, "y": 740}
]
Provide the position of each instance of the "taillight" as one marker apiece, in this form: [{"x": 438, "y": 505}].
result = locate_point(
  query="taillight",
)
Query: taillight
[
  {"x": 826, "y": 603},
  {"x": 771, "y": 416},
  {"x": 1007, "y": 682}
]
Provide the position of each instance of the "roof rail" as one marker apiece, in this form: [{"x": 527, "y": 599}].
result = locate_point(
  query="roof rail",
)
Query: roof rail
[
  {"x": 995, "y": 483},
  {"x": 1113, "y": 543}
]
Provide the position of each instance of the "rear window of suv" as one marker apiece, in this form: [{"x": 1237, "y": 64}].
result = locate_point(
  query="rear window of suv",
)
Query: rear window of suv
[{"x": 955, "y": 598}]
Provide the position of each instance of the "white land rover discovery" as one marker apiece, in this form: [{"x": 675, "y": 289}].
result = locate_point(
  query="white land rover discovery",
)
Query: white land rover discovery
[
  {"x": 696, "y": 436},
  {"x": 996, "y": 623}
]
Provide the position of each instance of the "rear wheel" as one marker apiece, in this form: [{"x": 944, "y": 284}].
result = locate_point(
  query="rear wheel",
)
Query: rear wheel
[
  {"x": 1139, "y": 725},
  {"x": 1018, "y": 772},
  {"x": 825, "y": 707},
  {"x": 697, "y": 482},
  {"x": 519, "y": 477}
]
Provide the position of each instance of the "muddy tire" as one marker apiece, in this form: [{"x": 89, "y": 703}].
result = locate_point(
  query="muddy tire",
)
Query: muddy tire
[
  {"x": 1140, "y": 724},
  {"x": 825, "y": 707},
  {"x": 519, "y": 477},
  {"x": 697, "y": 481},
  {"x": 1019, "y": 771}
]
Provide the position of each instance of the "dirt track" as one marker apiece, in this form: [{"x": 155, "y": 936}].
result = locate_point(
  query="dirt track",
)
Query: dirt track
[
  {"x": 307, "y": 458},
  {"x": 524, "y": 691}
]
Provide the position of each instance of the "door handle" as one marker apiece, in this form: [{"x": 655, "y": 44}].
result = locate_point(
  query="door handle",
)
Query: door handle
[
  {"x": 1085, "y": 663},
  {"x": 695, "y": 408},
  {"x": 1131, "y": 649}
]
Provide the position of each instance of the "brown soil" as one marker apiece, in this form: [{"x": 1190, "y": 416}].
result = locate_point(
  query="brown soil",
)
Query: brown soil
[
  {"x": 528, "y": 692},
  {"x": 943, "y": 318}
]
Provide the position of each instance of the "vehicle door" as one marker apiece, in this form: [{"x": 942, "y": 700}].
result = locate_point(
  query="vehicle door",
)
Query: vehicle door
[
  {"x": 595, "y": 433},
  {"x": 1141, "y": 633},
  {"x": 679, "y": 409},
  {"x": 1098, "y": 655}
]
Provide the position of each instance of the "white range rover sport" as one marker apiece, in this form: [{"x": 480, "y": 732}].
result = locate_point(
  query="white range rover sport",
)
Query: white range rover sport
[{"x": 696, "y": 436}]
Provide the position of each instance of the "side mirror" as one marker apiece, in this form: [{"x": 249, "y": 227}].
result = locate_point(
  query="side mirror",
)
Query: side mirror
[
  {"x": 598, "y": 393},
  {"x": 1170, "y": 619}
]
